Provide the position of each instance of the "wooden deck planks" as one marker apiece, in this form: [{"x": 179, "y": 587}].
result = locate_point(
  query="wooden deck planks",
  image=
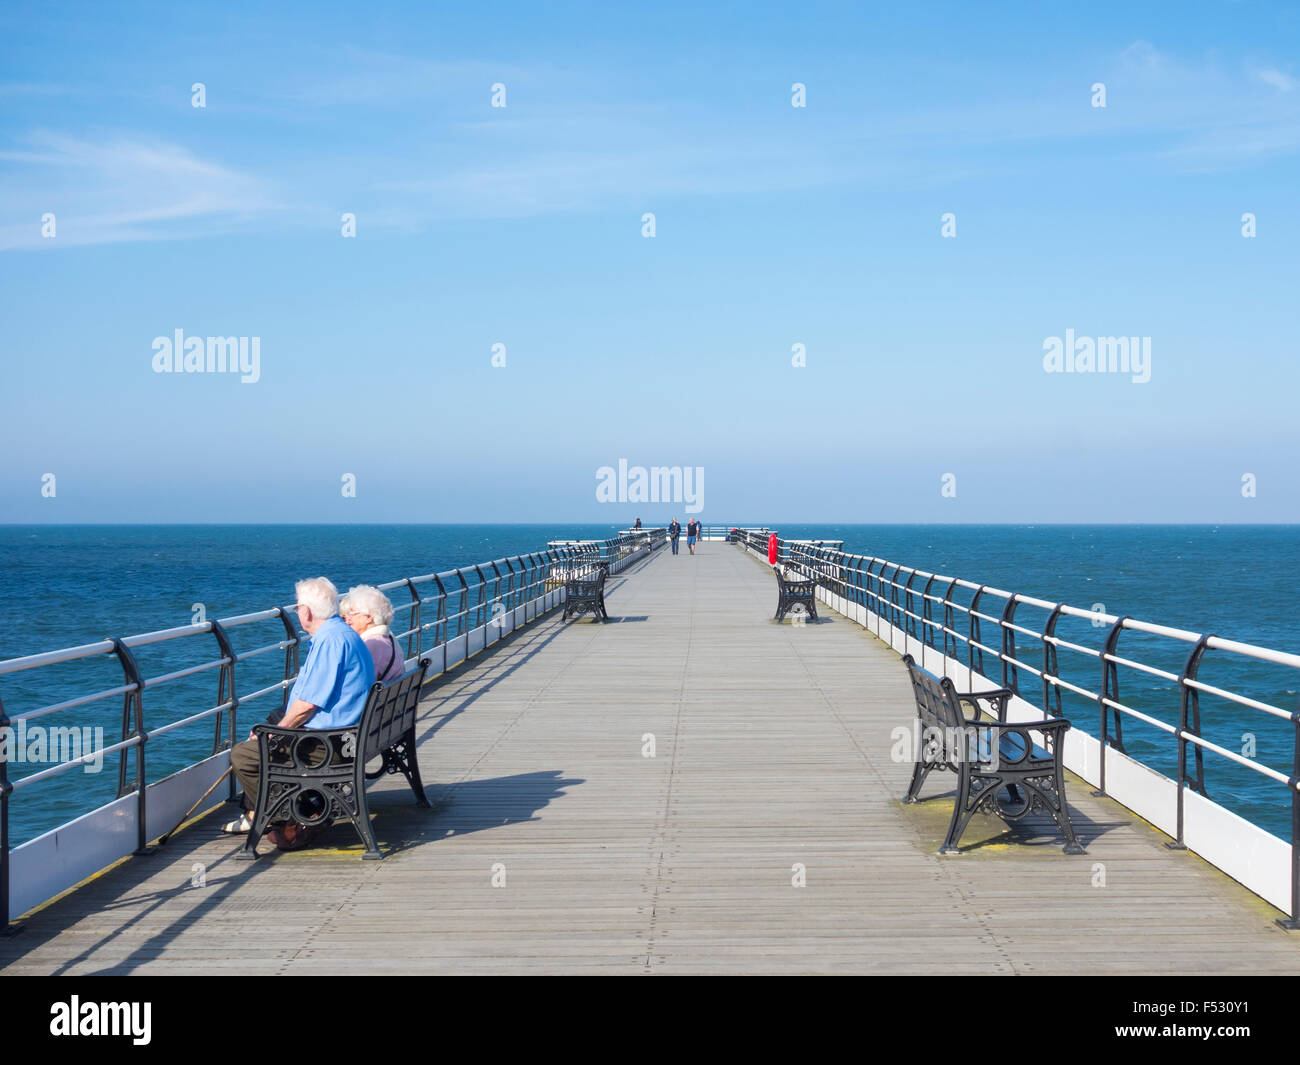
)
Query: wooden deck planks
[{"x": 772, "y": 748}]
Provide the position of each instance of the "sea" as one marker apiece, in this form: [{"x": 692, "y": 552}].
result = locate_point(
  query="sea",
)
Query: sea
[{"x": 63, "y": 586}]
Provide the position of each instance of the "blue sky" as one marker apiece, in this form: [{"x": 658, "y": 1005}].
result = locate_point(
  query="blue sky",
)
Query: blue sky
[{"x": 774, "y": 226}]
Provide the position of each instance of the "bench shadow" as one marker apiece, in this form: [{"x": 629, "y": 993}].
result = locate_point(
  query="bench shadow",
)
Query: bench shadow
[
  {"x": 458, "y": 809},
  {"x": 1036, "y": 830}
]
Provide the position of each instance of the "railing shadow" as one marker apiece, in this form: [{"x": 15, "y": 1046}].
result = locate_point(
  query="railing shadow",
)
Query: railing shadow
[
  {"x": 458, "y": 809},
  {"x": 514, "y": 654},
  {"x": 118, "y": 890},
  {"x": 503, "y": 657}
]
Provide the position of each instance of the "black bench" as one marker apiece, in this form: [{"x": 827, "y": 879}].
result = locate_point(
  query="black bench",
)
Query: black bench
[
  {"x": 315, "y": 776},
  {"x": 795, "y": 593},
  {"x": 988, "y": 753},
  {"x": 584, "y": 590}
]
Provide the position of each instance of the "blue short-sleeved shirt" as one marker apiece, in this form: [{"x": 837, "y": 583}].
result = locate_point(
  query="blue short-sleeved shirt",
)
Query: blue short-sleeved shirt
[{"x": 336, "y": 677}]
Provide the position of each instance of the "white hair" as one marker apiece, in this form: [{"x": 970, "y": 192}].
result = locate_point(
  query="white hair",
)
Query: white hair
[
  {"x": 367, "y": 599},
  {"x": 320, "y": 595}
]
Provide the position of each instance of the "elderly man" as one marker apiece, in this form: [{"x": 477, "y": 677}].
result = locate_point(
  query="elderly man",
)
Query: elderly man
[{"x": 331, "y": 688}]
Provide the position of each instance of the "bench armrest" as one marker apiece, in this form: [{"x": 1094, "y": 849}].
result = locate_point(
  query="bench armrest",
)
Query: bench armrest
[
  {"x": 999, "y": 697},
  {"x": 275, "y": 732},
  {"x": 1051, "y": 724}
]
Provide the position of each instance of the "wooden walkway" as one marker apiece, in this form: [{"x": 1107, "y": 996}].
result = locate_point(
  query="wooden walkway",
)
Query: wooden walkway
[{"x": 771, "y": 754}]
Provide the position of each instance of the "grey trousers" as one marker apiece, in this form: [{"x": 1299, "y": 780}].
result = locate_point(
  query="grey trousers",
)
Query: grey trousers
[{"x": 245, "y": 759}]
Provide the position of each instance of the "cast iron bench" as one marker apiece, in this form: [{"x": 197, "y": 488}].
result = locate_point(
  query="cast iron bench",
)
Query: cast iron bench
[
  {"x": 795, "y": 593},
  {"x": 988, "y": 753},
  {"x": 315, "y": 776},
  {"x": 584, "y": 591}
]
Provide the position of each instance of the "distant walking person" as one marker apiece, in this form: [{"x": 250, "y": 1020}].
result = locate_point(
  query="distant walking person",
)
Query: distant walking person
[
  {"x": 674, "y": 531},
  {"x": 638, "y": 524},
  {"x": 692, "y": 531}
]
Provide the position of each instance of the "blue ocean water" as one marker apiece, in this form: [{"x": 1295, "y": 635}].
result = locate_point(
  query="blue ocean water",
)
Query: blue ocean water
[{"x": 68, "y": 585}]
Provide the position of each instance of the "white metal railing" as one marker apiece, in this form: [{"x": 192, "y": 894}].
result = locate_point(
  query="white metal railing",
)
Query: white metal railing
[
  {"x": 925, "y": 607},
  {"x": 449, "y": 615}
]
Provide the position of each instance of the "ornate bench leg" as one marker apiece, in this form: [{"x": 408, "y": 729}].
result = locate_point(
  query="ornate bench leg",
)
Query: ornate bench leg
[
  {"x": 359, "y": 815},
  {"x": 260, "y": 817},
  {"x": 919, "y": 772},
  {"x": 959, "y": 813},
  {"x": 1072, "y": 844},
  {"x": 249, "y": 850},
  {"x": 411, "y": 768}
]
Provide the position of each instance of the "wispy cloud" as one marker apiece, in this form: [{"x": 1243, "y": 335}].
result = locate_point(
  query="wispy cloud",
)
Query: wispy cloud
[
  {"x": 1281, "y": 82},
  {"x": 412, "y": 142},
  {"x": 119, "y": 189}
]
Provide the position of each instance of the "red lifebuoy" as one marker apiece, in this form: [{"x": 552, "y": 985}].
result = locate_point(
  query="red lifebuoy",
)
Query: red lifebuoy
[{"x": 771, "y": 550}]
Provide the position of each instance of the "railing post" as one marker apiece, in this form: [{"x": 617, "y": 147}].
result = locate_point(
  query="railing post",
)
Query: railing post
[
  {"x": 1292, "y": 923},
  {"x": 909, "y": 628},
  {"x": 1051, "y": 665},
  {"x": 974, "y": 634},
  {"x": 290, "y": 668},
  {"x": 462, "y": 609},
  {"x": 1010, "y": 675},
  {"x": 133, "y": 721},
  {"x": 927, "y": 619},
  {"x": 225, "y": 683},
  {"x": 414, "y": 642},
  {"x": 6, "y": 789},
  {"x": 496, "y": 598},
  {"x": 1189, "y": 697},
  {"x": 1109, "y": 685},
  {"x": 440, "y": 622},
  {"x": 949, "y": 624}
]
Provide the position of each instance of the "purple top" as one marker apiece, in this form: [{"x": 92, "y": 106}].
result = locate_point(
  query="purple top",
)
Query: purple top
[{"x": 387, "y": 653}]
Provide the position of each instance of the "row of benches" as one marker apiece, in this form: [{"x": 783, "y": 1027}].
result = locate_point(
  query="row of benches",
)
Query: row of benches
[{"x": 315, "y": 776}]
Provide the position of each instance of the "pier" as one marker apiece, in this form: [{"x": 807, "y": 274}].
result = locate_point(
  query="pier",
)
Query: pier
[{"x": 689, "y": 788}]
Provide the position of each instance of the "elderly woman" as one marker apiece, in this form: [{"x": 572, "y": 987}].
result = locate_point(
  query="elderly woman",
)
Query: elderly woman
[{"x": 369, "y": 613}]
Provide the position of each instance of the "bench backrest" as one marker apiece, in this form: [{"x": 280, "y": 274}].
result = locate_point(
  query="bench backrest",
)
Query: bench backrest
[
  {"x": 802, "y": 586},
  {"x": 390, "y": 711},
  {"x": 936, "y": 699},
  {"x": 587, "y": 581}
]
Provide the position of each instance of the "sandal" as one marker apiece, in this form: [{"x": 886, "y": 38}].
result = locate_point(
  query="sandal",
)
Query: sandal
[{"x": 238, "y": 827}]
